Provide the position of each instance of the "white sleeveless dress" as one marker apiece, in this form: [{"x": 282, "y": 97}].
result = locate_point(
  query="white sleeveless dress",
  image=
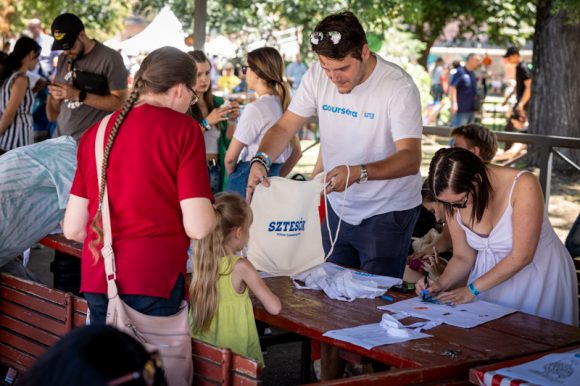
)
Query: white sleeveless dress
[{"x": 546, "y": 287}]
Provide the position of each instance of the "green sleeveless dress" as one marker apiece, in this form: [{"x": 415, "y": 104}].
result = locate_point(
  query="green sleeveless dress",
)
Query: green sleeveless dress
[{"x": 233, "y": 325}]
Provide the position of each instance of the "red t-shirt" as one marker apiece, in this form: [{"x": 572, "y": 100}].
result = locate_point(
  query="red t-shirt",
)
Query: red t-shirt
[{"x": 157, "y": 160}]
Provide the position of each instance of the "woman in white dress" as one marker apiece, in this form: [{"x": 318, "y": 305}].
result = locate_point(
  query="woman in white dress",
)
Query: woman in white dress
[{"x": 502, "y": 239}]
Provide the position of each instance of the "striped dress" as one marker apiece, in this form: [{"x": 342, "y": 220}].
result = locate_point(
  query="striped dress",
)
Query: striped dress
[{"x": 20, "y": 131}]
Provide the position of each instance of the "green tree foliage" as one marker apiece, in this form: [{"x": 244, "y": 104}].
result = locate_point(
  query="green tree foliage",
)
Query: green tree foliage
[
  {"x": 502, "y": 21},
  {"x": 102, "y": 18}
]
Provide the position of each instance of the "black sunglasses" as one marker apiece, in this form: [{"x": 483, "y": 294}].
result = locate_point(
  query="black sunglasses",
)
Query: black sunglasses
[
  {"x": 456, "y": 205},
  {"x": 245, "y": 69}
]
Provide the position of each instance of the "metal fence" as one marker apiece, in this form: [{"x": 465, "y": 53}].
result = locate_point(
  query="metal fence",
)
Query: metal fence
[{"x": 543, "y": 144}]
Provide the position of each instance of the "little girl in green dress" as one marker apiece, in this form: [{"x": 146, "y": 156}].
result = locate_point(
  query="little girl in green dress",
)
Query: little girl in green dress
[{"x": 221, "y": 309}]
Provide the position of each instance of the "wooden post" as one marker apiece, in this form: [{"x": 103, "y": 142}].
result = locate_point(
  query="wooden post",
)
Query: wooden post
[{"x": 199, "y": 24}]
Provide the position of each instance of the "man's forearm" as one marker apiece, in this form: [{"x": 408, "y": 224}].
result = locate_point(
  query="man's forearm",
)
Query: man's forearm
[
  {"x": 52, "y": 108},
  {"x": 279, "y": 135},
  {"x": 401, "y": 164},
  {"x": 104, "y": 102}
]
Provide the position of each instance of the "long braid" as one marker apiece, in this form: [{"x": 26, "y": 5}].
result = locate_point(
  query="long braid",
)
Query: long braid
[{"x": 96, "y": 223}]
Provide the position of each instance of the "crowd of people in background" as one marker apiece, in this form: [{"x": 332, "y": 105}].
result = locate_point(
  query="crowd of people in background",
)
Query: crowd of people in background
[{"x": 181, "y": 163}]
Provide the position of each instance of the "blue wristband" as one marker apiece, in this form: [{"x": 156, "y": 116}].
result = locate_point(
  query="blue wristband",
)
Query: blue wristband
[
  {"x": 473, "y": 290},
  {"x": 205, "y": 124},
  {"x": 265, "y": 157}
]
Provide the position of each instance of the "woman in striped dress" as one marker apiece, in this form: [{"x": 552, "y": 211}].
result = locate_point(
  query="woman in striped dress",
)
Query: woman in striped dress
[{"x": 16, "y": 97}]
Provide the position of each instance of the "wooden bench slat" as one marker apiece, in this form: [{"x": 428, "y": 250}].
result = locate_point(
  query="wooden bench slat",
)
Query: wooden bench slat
[
  {"x": 18, "y": 360},
  {"x": 242, "y": 380},
  {"x": 29, "y": 331},
  {"x": 35, "y": 290},
  {"x": 208, "y": 370},
  {"x": 22, "y": 344},
  {"x": 40, "y": 305},
  {"x": 34, "y": 318},
  {"x": 246, "y": 366}
]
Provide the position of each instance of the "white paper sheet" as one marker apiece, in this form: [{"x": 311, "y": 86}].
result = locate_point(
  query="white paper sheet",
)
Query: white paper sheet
[
  {"x": 464, "y": 315},
  {"x": 553, "y": 369},
  {"x": 370, "y": 335}
]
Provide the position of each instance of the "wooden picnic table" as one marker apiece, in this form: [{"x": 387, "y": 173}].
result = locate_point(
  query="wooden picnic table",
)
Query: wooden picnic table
[
  {"x": 60, "y": 243},
  {"x": 311, "y": 313}
]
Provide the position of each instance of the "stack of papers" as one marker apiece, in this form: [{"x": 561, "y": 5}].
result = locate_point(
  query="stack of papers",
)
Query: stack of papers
[
  {"x": 463, "y": 315},
  {"x": 553, "y": 369}
]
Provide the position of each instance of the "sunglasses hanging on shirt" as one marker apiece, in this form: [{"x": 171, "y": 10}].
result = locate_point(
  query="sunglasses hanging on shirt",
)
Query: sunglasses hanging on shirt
[{"x": 317, "y": 37}]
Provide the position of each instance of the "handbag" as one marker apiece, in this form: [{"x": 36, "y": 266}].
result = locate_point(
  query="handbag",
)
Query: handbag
[
  {"x": 285, "y": 235},
  {"x": 169, "y": 335}
]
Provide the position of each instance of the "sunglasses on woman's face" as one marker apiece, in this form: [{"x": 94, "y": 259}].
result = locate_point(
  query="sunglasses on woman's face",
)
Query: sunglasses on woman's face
[{"x": 456, "y": 205}]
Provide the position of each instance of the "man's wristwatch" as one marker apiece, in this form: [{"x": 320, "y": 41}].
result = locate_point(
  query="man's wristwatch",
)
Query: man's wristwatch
[
  {"x": 364, "y": 177},
  {"x": 82, "y": 95}
]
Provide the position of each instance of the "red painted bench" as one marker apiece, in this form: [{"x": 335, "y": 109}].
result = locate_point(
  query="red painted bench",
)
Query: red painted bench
[{"x": 33, "y": 317}]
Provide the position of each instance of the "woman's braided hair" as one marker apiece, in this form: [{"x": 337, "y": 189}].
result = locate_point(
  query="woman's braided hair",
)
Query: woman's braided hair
[{"x": 161, "y": 70}]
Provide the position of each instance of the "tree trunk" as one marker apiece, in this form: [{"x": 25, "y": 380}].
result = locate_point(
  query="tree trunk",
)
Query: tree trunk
[
  {"x": 200, "y": 20},
  {"x": 555, "y": 102}
]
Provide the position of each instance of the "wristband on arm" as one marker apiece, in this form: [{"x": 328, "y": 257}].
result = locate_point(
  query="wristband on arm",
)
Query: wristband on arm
[{"x": 473, "y": 290}]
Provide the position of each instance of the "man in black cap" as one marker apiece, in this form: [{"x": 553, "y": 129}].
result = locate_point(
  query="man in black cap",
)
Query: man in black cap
[
  {"x": 523, "y": 88},
  {"x": 90, "y": 80}
]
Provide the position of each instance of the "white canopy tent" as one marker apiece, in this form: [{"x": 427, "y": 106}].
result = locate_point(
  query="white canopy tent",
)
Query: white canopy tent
[
  {"x": 164, "y": 30},
  {"x": 221, "y": 46}
]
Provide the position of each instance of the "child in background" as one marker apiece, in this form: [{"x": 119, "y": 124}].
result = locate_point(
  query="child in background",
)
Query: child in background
[{"x": 221, "y": 309}]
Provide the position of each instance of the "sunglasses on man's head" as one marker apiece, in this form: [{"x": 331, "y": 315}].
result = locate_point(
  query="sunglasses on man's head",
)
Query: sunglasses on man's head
[{"x": 317, "y": 37}]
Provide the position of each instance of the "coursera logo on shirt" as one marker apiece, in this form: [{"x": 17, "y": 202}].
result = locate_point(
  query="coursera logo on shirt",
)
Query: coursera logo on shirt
[
  {"x": 287, "y": 228},
  {"x": 345, "y": 111}
]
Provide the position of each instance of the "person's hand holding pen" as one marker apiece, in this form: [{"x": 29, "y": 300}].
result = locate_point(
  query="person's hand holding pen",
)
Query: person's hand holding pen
[{"x": 428, "y": 286}]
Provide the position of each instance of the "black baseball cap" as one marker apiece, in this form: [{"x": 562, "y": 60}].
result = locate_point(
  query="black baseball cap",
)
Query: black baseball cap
[
  {"x": 512, "y": 51},
  {"x": 65, "y": 31}
]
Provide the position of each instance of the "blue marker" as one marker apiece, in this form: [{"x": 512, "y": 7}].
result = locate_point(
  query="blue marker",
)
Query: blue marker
[{"x": 387, "y": 298}]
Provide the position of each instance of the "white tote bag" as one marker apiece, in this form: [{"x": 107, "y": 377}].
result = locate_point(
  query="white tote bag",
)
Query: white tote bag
[{"x": 285, "y": 236}]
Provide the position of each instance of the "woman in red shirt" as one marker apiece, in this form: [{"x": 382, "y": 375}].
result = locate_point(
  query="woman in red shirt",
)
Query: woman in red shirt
[{"x": 158, "y": 186}]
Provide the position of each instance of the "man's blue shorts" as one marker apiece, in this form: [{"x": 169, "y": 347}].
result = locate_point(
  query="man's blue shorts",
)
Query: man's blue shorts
[{"x": 379, "y": 244}]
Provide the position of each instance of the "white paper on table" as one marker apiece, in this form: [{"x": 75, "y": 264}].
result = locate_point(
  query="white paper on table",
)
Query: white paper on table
[
  {"x": 553, "y": 369},
  {"x": 463, "y": 315},
  {"x": 370, "y": 335}
]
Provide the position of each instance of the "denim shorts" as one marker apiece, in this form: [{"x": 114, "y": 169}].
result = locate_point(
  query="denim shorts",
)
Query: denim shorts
[
  {"x": 238, "y": 180},
  {"x": 148, "y": 305},
  {"x": 215, "y": 177},
  {"x": 379, "y": 244}
]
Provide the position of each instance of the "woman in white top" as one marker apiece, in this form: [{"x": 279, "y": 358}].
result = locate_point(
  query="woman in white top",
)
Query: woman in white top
[
  {"x": 16, "y": 98},
  {"x": 502, "y": 239},
  {"x": 265, "y": 75}
]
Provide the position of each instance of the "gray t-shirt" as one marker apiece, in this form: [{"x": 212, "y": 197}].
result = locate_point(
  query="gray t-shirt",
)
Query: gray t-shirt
[{"x": 75, "y": 117}]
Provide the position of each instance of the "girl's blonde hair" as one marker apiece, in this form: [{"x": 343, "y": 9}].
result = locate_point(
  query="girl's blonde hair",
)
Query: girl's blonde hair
[
  {"x": 231, "y": 212},
  {"x": 161, "y": 69},
  {"x": 268, "y": 64}
]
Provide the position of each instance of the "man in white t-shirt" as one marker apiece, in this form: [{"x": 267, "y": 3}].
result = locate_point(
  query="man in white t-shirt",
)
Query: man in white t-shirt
[{"x": 370, "y": 124}]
